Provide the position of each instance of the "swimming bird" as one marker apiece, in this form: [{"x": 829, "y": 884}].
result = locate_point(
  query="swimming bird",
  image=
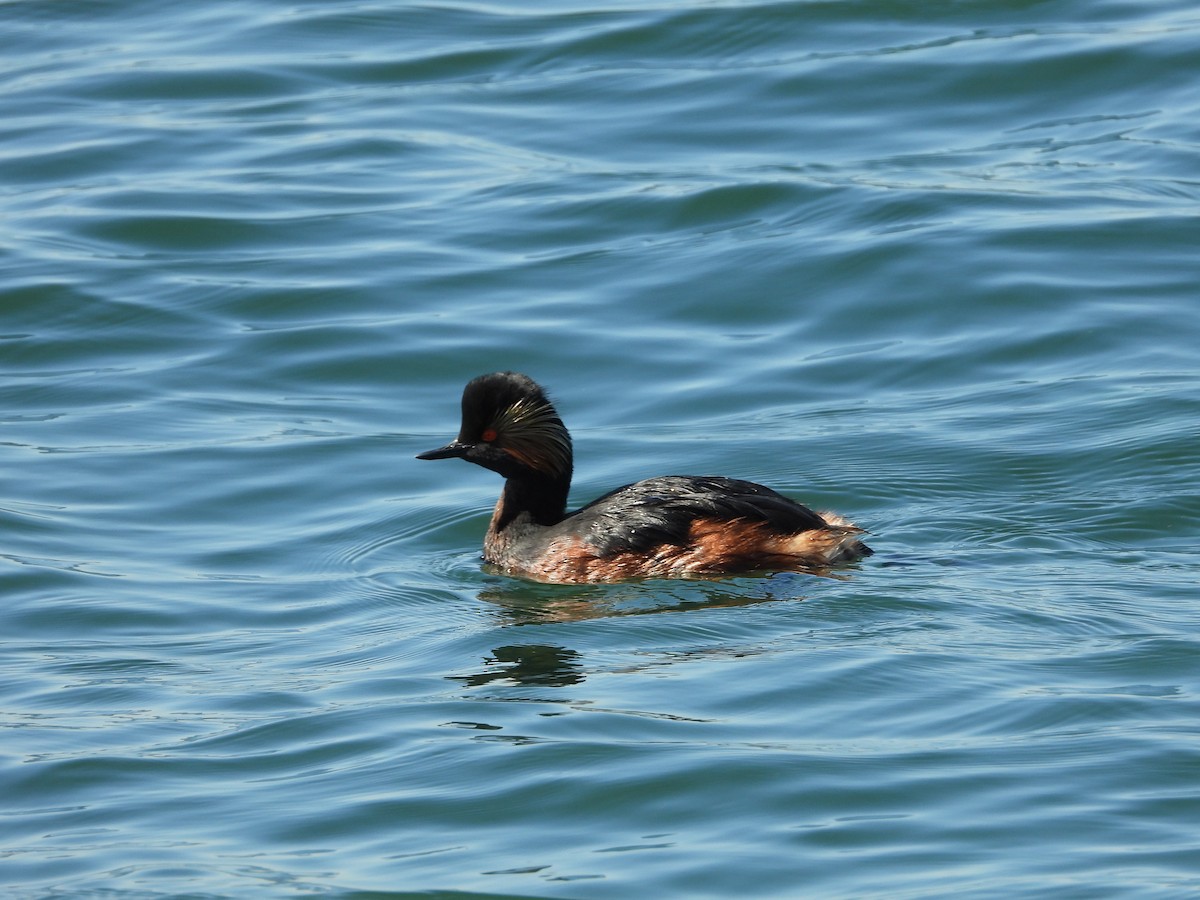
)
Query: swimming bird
[{"x": 676, "y": 526}]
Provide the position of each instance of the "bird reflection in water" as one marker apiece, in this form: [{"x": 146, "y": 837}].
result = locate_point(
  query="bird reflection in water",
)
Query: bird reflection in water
[
  {"x": 526, "y": 603},
  {"x": 534, "y": 664},
  {"x": 522, "y": 603}
]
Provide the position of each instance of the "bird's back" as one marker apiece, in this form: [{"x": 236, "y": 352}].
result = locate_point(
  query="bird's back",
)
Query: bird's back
[{"x": 679, "y": 526}]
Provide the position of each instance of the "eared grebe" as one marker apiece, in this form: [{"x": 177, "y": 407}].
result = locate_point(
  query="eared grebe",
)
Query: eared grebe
[{"x": 673, "y": 527}]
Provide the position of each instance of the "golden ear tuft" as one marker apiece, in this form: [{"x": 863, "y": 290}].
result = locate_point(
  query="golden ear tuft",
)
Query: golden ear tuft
[{"x": 535, "y": 435}]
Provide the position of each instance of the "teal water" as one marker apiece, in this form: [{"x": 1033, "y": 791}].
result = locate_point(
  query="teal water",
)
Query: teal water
[{"x": 934, "y": 266}]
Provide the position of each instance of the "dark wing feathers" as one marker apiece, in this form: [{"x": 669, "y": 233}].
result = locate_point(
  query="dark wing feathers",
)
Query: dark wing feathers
[{"x": 661, "y": 510}]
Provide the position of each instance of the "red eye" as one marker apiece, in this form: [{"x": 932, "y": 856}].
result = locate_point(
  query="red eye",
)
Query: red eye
[{"x": 489, "y": 435}]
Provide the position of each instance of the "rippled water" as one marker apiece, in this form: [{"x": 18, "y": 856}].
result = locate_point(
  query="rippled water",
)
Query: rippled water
[{"x": 932, "y": 266}]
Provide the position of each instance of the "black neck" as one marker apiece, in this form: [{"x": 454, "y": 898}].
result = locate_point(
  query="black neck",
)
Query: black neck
[{"x": 544, "y": 498}]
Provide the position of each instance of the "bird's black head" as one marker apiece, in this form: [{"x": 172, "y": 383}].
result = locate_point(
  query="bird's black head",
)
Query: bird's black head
[{"x": 511, "y": 427}]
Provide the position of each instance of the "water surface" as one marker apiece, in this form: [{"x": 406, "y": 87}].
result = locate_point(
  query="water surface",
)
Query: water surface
[{"x": 934, "y": 268}]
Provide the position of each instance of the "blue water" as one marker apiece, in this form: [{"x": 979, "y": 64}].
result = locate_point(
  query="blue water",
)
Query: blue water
[{"x": 933, "y": 266}]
